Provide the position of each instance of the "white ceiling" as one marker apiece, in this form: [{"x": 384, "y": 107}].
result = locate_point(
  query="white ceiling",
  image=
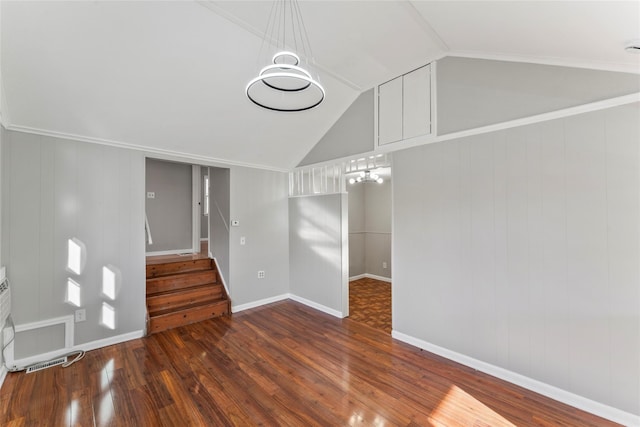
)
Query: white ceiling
[{"x": 170, "y": 76}]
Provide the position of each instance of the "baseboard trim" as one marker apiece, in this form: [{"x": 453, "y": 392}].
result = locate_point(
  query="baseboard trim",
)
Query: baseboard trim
[
  {"x": 91, "y": 345},
  {"x": 171, "y": 252},
  {"x": 317, "y": 306},
  {"x": 580, "y": 402},
  {"x": 3, "y": 375},
  {"x": 254, "y": 304},
  {"x": 370, "y": 276}
]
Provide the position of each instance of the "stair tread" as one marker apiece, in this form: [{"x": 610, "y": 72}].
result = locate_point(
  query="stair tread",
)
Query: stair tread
[
  {"x": 186, "y": 308},
  {"x": 179, "y": 274},
  {"x": 194, "y": 288}
]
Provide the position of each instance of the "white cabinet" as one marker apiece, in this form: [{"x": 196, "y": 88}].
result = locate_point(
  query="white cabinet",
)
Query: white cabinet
[
  {"x": 416, "y": 103},
  {"x": 390, "y": 111},
  {"x": 404, "y": 106}
]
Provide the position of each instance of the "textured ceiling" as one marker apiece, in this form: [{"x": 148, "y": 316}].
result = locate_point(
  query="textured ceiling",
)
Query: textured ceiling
[{"x": 170, "y": 76}]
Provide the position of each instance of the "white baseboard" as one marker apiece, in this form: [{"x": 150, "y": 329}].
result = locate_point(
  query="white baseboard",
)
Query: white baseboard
[
  {"x": 224, "y": 282},
  {"x": 204, "y": 239},
  {"x": 171, "y": 252},
  {"x": 254, "y": 304},
  {"x": 92, "y": 345},
  {"x": 550, "y": 391},
  {"x": 317, "y": 306},
  {"x": 3, "y": 375},
  {"x": 370, "y": 276}
]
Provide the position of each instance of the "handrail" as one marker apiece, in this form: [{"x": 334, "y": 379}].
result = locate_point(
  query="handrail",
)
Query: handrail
[{"x": 147, "y": 229}]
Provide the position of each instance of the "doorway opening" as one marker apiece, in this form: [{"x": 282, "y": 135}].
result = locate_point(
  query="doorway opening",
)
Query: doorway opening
[{"x": 369, "y": 201}]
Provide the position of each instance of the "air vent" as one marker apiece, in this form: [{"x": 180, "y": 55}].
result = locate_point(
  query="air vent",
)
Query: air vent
[{"x": 45, "y": 365}]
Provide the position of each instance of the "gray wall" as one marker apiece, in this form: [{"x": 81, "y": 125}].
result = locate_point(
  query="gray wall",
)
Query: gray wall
[
  {"x": 479, "y": 92},
  {"x": 351, "y": 134},
  {"x": 170, "y": 213},
  {"x": 54, "y": 190},
  {"x": 370, "y": 229},
  {"x": 319, "y": 231},
  {"x": 219, "y": 217},
  {"x": 520, "y": 248},
  {"x": 357, "y": 230},
  {"x": 2, "y": 138},
  {"x": 259, "y": 202}
]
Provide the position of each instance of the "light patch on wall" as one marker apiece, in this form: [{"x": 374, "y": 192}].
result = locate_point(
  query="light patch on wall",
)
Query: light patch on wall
[
  {"x": 76, "y": 255},
  {"x": 110, "y": 281},
  {"x": 73, "y": 293},
  {"x": 108, "y": 317}
]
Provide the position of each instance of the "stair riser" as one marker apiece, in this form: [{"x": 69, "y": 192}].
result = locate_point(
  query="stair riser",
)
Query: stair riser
[
  {"x": 168, "y": 283},
  {"x": 176, "y": 300},
  {"x": 177, "y": 267},
  {"x": 180, "y": 318}
]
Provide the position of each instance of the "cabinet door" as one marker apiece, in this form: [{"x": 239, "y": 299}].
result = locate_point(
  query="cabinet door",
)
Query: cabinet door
[
  {"x": 416, "y": 103},
  {"x": 390, "y": 111}
]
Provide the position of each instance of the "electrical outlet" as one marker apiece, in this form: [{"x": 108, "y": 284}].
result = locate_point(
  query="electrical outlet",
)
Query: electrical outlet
[
  {"x": 235, "y": 223},
  {"x": 384, "y": 264},
  {"x": 261, "y": 274},
  {"x": 81, "y": 315},
  {"x": 243, "y": 240},
  {"x": 151, "y": 195}
]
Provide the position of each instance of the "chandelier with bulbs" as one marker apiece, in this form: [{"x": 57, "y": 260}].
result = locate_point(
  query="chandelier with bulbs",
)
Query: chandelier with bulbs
[
  {"x": 366, "y": 176},
  {"x": 287, "y": 83}
]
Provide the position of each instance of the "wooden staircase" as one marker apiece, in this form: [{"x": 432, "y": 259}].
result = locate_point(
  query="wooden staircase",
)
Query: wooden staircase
[{"x": 184, "y": 292}]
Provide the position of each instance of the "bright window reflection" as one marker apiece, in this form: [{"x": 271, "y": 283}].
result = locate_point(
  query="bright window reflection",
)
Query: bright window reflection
[
  {"x": 73, "y": 293},
  {"x": 108, "y": 318},
  {"x": 74, "y": 256},
  {"x": 109, "y": 282}
]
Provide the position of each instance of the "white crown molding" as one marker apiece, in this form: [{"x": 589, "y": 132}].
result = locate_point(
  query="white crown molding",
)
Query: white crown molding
[
  {"x": 560, "y": 62},
  {"x": 170, "y": 154},
  {"x": 553, "y": 392}
]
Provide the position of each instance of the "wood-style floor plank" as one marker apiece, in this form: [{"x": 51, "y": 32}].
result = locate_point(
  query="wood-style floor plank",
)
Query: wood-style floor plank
[{"x": 284, "y": 364}]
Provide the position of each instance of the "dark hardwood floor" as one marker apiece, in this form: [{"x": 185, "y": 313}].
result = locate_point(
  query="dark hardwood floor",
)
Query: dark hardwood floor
[{"x": 281, "y": 364}]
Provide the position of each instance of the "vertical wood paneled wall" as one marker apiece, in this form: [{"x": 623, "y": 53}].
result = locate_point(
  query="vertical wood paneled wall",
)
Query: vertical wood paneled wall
[
  {"x": 55, "y": 190},
  {"x": 520, "y": 248}
]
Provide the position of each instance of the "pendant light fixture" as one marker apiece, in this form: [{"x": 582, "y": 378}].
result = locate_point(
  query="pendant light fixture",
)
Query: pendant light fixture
[
  {"x": 366, "y": 176},
  {"x": 287, "y": 83}
]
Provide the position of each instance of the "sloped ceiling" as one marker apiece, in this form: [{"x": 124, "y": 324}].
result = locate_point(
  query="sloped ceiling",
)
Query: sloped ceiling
[{"x": 170, "y": 76}]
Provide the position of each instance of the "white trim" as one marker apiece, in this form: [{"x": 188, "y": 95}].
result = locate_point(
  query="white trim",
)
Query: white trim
[
  {"x": 69, "y": 333},
  {"x": 254, "y": 304},
  {"x": 430, "y": 139},
  {"x": 195, "y": 208},
  {"x": 542, "y": 60},
  {"x": 171, "y": 252},
  {"x": 317, "y": 306},
  {"x": 92, "y": 345},
  {"x": 204, "y": 239},
  {"x": 152, "y": 152},
  {"x": 3, "y": 374},
  {"x": 553, "y": 392},
  {"x": 370, "y": 276},
  {"x": 224, "y": 282}
]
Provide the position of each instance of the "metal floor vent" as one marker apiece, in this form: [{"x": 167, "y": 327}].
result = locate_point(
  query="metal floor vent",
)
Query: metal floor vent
[{"x": 45, "y": 365}]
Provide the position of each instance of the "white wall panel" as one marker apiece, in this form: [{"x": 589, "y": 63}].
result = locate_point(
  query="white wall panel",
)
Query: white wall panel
[
  {"x": 318, "y": 227},
  {"x": 56, "y": 190},
  {"x": 520, "y": 248}
]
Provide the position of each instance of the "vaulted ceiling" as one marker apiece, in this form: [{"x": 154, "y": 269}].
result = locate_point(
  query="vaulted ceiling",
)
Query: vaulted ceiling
[{"x": 170, "y": 76}]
